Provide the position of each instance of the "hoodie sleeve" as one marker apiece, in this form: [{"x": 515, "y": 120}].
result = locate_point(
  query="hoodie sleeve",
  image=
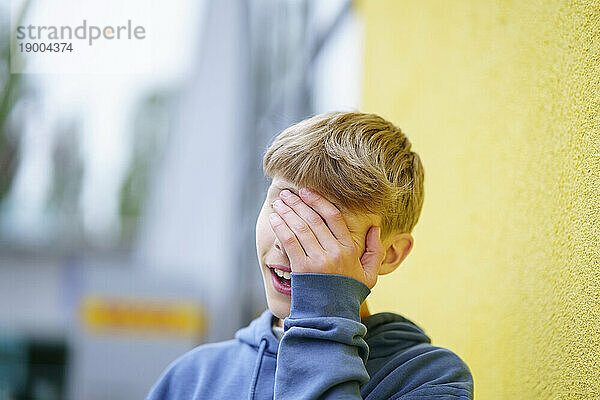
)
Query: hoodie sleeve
[{"x": 322, "y": 354}]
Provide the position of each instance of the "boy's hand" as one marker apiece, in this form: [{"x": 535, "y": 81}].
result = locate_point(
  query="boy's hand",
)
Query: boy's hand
[{"x": 316, "y": 238}]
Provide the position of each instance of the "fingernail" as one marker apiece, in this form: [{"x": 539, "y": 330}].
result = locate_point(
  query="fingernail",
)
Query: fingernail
[
  {"x": 304, "y": 192},
  {"x": 277, "y": 203},
  {"x": 286, "y": 193}
]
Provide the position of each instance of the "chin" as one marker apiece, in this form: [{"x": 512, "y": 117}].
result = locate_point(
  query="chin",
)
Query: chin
[{"x": 280, "y": 309}]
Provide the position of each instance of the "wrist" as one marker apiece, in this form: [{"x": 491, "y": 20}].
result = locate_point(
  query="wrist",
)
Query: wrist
[{"x": 326, "y": 295}]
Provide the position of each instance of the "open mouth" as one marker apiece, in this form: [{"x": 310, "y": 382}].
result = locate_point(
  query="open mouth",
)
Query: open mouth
[
  {"x": 281, "y": 280},
  {"x": 283, "y": 276}
]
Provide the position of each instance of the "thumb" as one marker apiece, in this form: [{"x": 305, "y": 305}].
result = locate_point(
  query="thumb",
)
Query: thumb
[{"x": 373, "y": 255}]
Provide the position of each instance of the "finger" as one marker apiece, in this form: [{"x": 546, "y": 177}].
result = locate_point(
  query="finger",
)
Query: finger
[
  {"x": 287, "y": 239},
  {"x": 331, "y": 214},
  {"x": 320, "y": 229},
  {"x": 373, "y": 255},
  {"x": 300, "y": 229}
]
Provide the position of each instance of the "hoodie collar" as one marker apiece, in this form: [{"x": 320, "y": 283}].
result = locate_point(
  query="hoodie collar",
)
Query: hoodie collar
[
  {"x": 259, "y": 329},
  {"x": 387, "y": 333}
]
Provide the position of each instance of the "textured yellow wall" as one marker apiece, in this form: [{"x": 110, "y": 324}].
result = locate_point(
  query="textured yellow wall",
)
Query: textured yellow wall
[{"x": 501, "y": 100}]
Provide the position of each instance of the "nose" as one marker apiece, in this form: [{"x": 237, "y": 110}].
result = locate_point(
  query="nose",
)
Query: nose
[{"x": 278, "y": 245}]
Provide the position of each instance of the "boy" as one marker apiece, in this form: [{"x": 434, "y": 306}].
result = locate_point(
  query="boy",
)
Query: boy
[{"x": 346, "y": 192}]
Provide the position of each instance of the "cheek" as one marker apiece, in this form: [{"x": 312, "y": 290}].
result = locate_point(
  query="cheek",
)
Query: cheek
[{"x": 264, "y": 234}]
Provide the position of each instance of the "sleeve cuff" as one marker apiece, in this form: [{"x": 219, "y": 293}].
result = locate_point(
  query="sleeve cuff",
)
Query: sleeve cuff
[{"x": 326, "y": 295}]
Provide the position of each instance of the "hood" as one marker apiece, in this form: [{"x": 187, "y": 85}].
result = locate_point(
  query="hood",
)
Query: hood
[
  {"x": 387, "y": 333},
  {"x": 260, "y": 330}
]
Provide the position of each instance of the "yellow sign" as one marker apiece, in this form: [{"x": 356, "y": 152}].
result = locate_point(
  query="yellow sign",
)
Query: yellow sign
[{"x": 143, "y": 316}]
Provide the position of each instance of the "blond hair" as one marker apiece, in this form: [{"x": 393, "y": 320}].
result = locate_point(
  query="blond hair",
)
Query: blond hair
[{"x": 360, "y": 162}]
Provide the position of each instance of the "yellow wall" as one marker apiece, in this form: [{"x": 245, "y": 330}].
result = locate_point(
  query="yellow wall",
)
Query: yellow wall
[{"x": 500, "y": 99}]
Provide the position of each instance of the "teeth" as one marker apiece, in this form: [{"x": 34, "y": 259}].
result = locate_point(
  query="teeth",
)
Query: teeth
[{"x": 282, "y": 274}]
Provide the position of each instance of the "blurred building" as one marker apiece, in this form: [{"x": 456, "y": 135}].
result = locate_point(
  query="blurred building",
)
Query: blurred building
[{"x": 128, "y": 201}]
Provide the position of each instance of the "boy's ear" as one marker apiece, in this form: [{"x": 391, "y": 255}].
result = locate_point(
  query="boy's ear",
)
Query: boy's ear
[{"x": 396, "y": 249}]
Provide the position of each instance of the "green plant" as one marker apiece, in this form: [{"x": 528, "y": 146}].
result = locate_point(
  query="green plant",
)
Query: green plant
[{"x": 11, "y": 90}]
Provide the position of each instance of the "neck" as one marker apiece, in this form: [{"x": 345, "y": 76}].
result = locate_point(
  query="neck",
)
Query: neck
[{"x": 364, "y": 312}]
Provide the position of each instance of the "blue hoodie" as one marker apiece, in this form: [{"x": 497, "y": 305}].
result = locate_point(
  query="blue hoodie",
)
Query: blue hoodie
[{"x": 326, "y": 352}]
